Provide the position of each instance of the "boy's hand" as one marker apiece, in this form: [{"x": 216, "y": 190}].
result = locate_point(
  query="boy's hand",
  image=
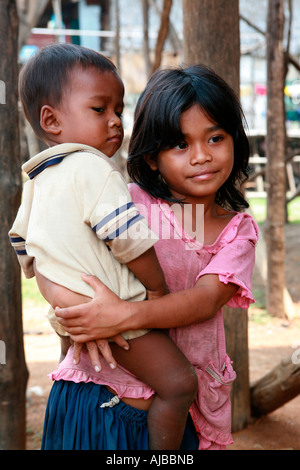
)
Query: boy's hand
[{"x": 101, "y": 345}]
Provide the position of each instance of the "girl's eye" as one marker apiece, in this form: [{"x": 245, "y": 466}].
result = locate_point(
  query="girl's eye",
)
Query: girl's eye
[
  {"x": 98, "y": 110},
  {"x": 216, "y": 139}
]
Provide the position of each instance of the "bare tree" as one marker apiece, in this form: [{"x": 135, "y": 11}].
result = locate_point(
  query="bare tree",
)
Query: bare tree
[
  {"x": 275, "y": 170},
  {"x": 162, "y": 34},
  {"x": 105, "y": 22},
  {"x": 145, "y": 8},
  {"x": 13, "y": 377},
  {"x": 117, "y": 37},
  {"x": 29, "y": 13},
  {"x": 175, "y": 41}
]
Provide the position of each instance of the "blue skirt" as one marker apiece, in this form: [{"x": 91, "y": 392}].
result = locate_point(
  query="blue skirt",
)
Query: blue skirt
[{"x": 74, "y": 420}]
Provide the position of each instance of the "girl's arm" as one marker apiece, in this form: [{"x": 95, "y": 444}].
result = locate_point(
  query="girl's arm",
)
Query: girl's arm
[{"x": 107, "y": 315}]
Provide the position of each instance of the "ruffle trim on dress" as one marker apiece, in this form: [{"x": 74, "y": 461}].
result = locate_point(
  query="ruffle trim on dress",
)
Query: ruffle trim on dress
[
  {"x": 122, "y": 391},
  {"x": 243, "y": 297},
  {"x": 210, "y": 438}
]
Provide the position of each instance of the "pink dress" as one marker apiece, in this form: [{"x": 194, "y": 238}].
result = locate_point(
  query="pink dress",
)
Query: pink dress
[{"x": 184, "y": 261}]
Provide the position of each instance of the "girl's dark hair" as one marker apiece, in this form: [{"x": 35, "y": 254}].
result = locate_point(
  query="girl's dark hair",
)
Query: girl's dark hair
[
  {"x": 167, "y": 95},
  {"x": 44, "y": 78}
]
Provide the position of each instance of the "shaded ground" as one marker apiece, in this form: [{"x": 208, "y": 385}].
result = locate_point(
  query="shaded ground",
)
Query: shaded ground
[{"x": 270, "y": 340}]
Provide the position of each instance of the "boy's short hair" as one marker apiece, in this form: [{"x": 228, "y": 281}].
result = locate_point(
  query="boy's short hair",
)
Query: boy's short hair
[{"x": 44, "y": 78}]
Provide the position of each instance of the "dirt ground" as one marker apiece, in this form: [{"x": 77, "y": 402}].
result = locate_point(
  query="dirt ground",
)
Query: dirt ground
[{"x": 269, "y": 343}]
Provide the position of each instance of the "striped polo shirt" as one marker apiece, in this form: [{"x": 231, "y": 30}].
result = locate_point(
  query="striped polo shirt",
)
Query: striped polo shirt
[{"x": 77, "y": 216}]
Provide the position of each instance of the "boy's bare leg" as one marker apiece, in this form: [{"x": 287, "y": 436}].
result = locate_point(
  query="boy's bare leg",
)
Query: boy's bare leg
[{"x": 157, "y": 361}]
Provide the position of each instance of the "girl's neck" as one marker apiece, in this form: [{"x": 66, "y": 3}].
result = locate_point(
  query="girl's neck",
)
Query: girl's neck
[
  {"x": 192, "y": 207},
  {"x": 202, "y": 221}
]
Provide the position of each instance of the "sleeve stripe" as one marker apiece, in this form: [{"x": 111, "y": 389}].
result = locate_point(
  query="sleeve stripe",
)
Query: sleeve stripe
[
  {"x": 16, "y": 240},
  {"x": 20, "y": 252},
  {"x": 112, "y": 215},
  {"x": 123, "y": 228},
  {"x": 18, "y": 244}
]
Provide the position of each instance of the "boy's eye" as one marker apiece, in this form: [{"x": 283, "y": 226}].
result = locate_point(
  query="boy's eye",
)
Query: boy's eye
[{"x": 98, "y": 110}]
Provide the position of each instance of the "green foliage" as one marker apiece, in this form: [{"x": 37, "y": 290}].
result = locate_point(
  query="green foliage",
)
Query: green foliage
[
  {"x": 257, "y": 312},
  {"x": 259, "y": 209},
  {"x": 31, "y": 295},
  {"x": 294, "y": 211}
]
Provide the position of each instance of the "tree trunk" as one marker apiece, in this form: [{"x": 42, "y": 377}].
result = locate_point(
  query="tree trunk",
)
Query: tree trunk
[
  {"x": 146, "y": 48},
  {"x": 117, "y": 37},
  {"x": 275, "y": 170},
  {"x": 216, "y": 44},
  {"x": 29, "y": 14},
  {"x": 236, "y": 331},
  {"x": 212, "y": 36},
  {"x": 279, "y": 386},
  {"x": 105, "y": 23},
  {"x": 13, "y": 373},
  {"x": 173, "y": 37},
  {"x": 162, "y": 34}
]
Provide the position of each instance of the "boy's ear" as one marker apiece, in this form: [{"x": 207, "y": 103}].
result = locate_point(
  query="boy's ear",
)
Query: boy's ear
[
  {"x": 49, "y": 120},
  {"x": 152, "y": 163}
]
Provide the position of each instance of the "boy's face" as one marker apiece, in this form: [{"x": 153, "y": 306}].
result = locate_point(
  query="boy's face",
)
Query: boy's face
[{"x": 90, "y": 112}]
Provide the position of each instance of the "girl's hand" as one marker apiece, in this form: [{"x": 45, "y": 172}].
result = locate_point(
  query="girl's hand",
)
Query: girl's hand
[
  {"x": 101, "y": 345},
  {"x": 100, "y": 318},
  {"x": 151, "y": 295}
]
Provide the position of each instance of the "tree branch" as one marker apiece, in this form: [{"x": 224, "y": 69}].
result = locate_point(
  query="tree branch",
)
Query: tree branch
[
  {"x": 162, "y": 34},
  {"x": 291, "y": 59}
]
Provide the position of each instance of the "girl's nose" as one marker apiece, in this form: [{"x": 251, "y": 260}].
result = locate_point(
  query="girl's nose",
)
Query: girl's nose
[{"x": 200, "y": 154}]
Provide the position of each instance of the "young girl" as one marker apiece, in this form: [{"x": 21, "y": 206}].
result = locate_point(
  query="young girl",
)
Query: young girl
[{"x": 188, "y": 149}]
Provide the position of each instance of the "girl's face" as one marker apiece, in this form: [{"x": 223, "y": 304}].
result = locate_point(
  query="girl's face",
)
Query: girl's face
[{"x": 199, "y": 165}]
